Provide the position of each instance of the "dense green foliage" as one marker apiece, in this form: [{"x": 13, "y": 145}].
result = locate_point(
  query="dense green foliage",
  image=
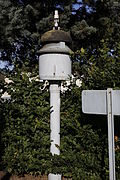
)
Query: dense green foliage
[
  {"x": 24, "y": 126},
  {"x": 25, "y": 138},
  {"x": 26, "y": 134}
]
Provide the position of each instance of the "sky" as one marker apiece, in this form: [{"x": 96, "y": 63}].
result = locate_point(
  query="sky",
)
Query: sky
[{"x": 4, "y": 64}]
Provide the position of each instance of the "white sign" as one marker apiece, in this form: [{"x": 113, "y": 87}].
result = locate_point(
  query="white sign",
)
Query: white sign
[
  {"x": 95, "y": 102},
  {"x": 108, "y": 103}
]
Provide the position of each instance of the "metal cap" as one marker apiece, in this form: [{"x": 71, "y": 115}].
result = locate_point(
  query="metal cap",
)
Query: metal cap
[
  {"x": 59, "y": 48},
  {"x": 54, "y": 36}
]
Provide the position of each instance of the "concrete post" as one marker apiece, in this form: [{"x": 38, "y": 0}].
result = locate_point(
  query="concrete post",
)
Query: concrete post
[{"x": 55, "y": 123}]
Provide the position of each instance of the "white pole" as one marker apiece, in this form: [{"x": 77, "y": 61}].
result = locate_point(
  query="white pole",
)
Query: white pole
[
  {"x": 55, "y": 123},
  {"x": 111, "y": 144}
]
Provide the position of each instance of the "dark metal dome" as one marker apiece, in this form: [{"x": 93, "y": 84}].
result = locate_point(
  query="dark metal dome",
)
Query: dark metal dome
[{"x": 54, "y": 36}]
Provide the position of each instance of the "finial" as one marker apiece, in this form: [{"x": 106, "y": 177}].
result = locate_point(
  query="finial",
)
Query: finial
[{"x": 56, "y": 20}]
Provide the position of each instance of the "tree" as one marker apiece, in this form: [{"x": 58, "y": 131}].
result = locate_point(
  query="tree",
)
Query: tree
[{"x": 23, "y": 23}]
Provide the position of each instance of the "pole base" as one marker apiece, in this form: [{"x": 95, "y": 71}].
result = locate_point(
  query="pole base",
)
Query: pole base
[{"x": 54, "y": 177}]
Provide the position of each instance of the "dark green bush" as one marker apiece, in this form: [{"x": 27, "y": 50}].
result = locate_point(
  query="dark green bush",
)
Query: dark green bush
[{"x": 26, "y": 124}]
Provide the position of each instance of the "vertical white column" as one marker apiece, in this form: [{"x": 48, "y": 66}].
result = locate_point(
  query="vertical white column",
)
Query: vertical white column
[
  {"x": 111, "y": 144},
  {"x": 55, "y": 124}
]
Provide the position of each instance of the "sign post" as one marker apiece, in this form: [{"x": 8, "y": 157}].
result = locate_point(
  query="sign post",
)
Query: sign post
[
  {"x": 111, "y": 143},
  {"x": 108, "y": 103}
]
